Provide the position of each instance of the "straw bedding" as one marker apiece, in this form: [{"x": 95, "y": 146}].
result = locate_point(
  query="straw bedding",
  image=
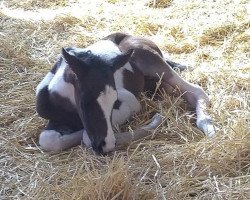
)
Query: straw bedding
[{"x": 178, "y": 161}]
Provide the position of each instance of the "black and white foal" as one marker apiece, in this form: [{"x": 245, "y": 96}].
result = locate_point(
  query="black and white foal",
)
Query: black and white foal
[{"x": 92, "y": 89}]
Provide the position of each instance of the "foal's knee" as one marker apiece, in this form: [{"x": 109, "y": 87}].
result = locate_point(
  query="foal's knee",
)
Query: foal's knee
[
  {"x": 50, "y": 140},
  {"x": 195, "y": 95},
  {"x": 200, "y": 93}
]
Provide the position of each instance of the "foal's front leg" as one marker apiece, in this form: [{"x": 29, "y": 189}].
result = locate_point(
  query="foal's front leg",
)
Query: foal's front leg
[
  {"x": 196, "y": 97},
  {"x": 54, "y": 140},
  {"x": 153, "y": 65},
  {"x": 175, "y": 65}
]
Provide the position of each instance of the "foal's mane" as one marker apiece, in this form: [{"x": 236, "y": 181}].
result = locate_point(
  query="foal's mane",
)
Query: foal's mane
[{"x": 95, "y": 61}]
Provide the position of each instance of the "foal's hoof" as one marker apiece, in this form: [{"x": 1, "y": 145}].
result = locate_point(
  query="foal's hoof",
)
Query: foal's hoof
[
  {"x": 209, "y": 130},
  {"x": 176, "y": 66},
  {"x": 207, "y": 126},
  {"x": 180, "y": 67}
]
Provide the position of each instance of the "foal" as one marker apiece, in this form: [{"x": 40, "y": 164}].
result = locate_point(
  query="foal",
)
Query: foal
[{"x": 89, "y": 90}]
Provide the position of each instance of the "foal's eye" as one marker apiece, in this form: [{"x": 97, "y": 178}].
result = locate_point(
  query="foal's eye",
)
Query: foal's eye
[{"x": 84, "y": 54}]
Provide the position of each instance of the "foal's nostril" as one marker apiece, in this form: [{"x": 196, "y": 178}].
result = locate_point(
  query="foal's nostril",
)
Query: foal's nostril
[{"x": 98, "y": 147}]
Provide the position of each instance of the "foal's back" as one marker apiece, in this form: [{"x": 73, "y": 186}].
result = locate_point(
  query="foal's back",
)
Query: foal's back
[{"x": 147, "y": 62}]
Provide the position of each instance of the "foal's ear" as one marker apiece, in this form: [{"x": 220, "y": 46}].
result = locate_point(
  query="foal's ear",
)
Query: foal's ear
[
  {"x": 78, "y": 66},
  {"x": 121, "y": 60}
]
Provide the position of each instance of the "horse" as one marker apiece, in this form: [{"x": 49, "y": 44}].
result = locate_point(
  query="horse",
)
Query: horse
[{"x": 90, "y": 90}]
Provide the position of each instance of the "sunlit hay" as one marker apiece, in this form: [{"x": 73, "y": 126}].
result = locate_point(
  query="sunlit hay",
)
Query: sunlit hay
[
  {"x": 241, "y": 40},
  {"x": 159, "y": 3},
  {"x": 62, "y": 27},
  {"x": 177, "y": 32},
  {"x": 64, "y": 22},
  {"x": 113, "y": 1},
  {"x": 148, "y": 27},
  {"x": 140, "y": 24},
  {"x": 33, "y": 4},
  {"x": 216, "y": 35},
  {"x": 177, "y": 41},
  {"x": 178, "y": 161},
  {"x": 244, "y": 36},
  {"x": 112, "y": 181},
  {"x": 204, "y": 56},
  {"x": 194, "y": 161},
  {"x": 179, "y": 47}
]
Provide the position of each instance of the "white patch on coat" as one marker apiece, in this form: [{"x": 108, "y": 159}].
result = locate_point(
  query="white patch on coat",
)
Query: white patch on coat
[
  {"x": 104, "y": 48},
  {"x": 51, "y": 140},
  {"x": 106, "y": 101},
  {"x": 45, "y": 82},
  {"x": 118, "y": 75},
  {"x": 129, "y": 106},
  {"x": 128, "y": 67},
  {"x": 85, "y": 139},
  {"x": 61, "y": 87}
]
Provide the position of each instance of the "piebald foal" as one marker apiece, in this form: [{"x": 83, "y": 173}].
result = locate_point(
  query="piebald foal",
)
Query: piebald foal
[{"x": 89, "y": 90}]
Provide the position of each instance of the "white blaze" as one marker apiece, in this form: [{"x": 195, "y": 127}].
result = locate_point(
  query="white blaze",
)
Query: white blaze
[
  {"x": 106, "y": 101},
  {"x": 59, "y": 85},
  {"x": 45, "y": 82}
]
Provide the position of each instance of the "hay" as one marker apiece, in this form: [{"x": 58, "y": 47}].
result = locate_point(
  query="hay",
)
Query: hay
[
  {"x": 178, "y": 162},
  {"x": 34, "y": 4},
  {"x": 159, "y": 3}
]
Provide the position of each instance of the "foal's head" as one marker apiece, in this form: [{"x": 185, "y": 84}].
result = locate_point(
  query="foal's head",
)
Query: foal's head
[{"x": 95, "y": 94}]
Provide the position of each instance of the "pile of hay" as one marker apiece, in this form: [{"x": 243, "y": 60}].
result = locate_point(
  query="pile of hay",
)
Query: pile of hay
[{"x": 179, "y": 162}]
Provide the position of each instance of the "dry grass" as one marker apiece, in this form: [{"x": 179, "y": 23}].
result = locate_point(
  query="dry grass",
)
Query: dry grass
[{"x": 212, "y": 37}]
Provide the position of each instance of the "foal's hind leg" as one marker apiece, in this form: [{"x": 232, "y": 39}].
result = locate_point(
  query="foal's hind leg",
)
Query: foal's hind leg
[
  {"x": 56, "y": 138},
  {"x": 153, "y": 65},
  {"x": 175, "y": 65}
]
